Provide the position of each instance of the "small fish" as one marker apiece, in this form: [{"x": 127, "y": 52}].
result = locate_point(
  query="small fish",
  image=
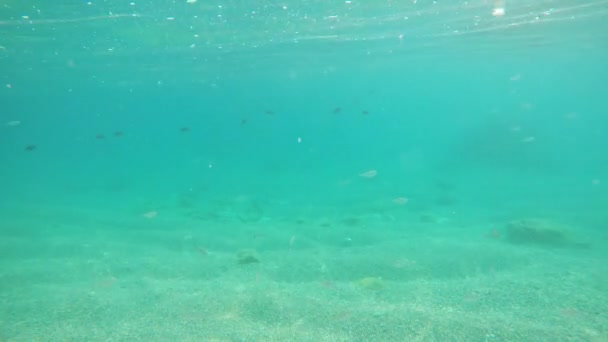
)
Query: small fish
[
  {"x": 184, "y": 129},
  {"x": 337, "y": 110},
  {"x": 291, "y": 242},
  {"x": 150, "y": 214},
  {"x": 106, "y": 282},
  {"x": 30, "y": 148},
  {"x": 100, "y": 137},
  {"x": 369, "y": 174},
  {"x": 401, "y": 200},
  {"x": 118, "y": 134}
]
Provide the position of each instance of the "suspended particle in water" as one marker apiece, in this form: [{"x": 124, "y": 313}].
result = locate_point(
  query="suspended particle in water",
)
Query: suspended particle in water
[
  {"x": 498, "y": 12},
  {"x": 499, "y": 8}
]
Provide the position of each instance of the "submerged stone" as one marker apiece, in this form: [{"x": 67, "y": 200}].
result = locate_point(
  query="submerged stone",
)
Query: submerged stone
[
  {"x": 247, "y": 256},
  {"x": 370, "y": 283},
  {"x": 539, "y": 232}
]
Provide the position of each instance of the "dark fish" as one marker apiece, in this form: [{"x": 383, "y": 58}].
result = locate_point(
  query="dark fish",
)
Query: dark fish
[
  {"x": 184, "y": 129},
  {"x": 30, "y": 148},
  {"x": 118, "y": 134},
  {"x": 337, "y": 110},
  {"x": 100, "y": 137}
]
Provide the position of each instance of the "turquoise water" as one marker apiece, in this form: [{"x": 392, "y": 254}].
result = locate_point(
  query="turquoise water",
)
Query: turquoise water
[{"x": 303, "y": 171}]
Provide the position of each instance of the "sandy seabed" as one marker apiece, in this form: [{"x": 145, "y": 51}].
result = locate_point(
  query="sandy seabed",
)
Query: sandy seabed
[{"x": 95, "y": 276}]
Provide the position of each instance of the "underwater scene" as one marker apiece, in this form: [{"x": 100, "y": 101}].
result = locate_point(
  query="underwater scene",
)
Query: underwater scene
[{"x": 318, "y": 170}]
